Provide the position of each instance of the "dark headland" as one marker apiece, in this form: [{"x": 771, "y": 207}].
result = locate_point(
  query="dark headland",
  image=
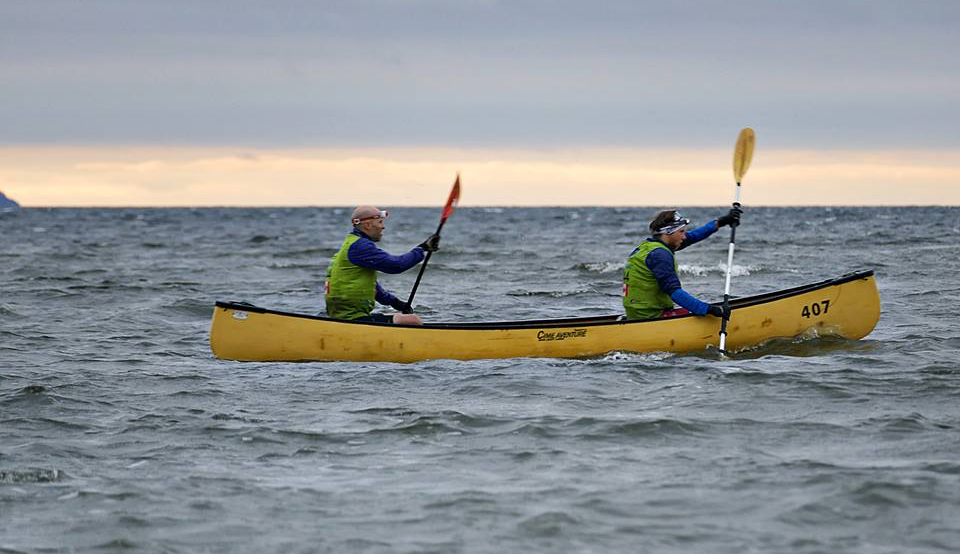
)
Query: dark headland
[{"x": 7, "y": 202}]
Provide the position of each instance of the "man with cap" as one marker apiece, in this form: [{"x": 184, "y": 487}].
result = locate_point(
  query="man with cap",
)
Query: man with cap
[
  {"x": 352, "y": 289},
  {"x": 650, "y": 282}
]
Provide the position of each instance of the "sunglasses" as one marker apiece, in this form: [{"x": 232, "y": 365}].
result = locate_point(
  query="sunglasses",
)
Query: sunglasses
[{"x": 382, "y": 214}]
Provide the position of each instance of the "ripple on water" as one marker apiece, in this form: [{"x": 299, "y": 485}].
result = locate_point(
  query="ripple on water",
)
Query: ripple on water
[
  {"x": 905, "y": 423},
  {"x": 590, "y": 428},
  {"x": 9, "y": 312},
  {"x": 549, "y": 524},
  {"x": 420, "y": 426}
]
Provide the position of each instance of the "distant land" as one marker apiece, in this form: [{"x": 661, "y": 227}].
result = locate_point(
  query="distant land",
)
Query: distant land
[{"x": 7, "y": 202}]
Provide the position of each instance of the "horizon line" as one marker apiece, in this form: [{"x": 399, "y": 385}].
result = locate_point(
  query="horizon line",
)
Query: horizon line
[{"x": 485, "y": 206}]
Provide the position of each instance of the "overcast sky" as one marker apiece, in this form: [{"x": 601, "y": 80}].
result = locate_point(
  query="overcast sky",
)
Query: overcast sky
[{"x": 871, "y": 74}]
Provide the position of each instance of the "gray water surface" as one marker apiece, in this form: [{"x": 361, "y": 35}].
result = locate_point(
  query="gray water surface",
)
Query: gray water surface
[{"x": 120, "y": 432}]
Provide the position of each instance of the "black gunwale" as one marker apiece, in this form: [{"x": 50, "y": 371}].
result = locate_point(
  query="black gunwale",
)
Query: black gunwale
[{"x": 570, "y": 322}]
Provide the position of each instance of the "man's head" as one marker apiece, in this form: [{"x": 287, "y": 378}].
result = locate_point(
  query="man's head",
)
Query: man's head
[
  {"x": 670, "y": 227},
  {"x": 370, "y": 221}
]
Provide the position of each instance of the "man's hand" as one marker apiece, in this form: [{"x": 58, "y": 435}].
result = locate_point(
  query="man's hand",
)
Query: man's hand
[
  {"x": 716, "y": 310},
  {"x": 432, "y": 244},
  {"x": 406, "y": 308},
  {"x": 731, "y": 218}
]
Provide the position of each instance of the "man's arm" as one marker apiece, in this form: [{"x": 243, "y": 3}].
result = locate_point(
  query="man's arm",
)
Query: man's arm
[
  {"x": 730, "y": 218},
  {"x": 688, "y": 301},
  {"x": 387, "y": 299},
  {"x": 660, "y": 263},
  {"x": 698, "y": 235},
  {"x": 365, "y": 254}
]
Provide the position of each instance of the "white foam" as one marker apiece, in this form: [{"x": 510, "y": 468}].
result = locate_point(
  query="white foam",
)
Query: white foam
[
  {"x": 720, "y": 268},
  {"x": 603, "y": 267}
]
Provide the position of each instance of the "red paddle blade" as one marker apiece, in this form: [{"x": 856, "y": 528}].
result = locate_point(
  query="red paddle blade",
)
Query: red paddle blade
[{"x": 452, "y": 200}]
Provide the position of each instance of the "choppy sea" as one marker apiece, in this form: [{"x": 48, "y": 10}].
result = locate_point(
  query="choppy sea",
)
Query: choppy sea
[{"x": 119, "y": 431}]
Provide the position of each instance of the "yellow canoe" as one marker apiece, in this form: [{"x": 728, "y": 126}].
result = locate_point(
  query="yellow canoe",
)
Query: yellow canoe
[{"x": 847, "y": 306}]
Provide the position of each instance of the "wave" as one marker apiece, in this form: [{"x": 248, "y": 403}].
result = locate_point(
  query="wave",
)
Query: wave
[
  {"x": 685, "y": 269},
  {"x": 802, "y": 346},
  {"x": 617, "y": 358},
  {"x": 599, "y": 267},
  {"x": 653, "y": 428},
  {"x": 553, "y": 293},
  {"x": 466, "y": 500},
  {"x": 322, "y": 254},
  {"x": 306, "y": 265},
  {"x": 906, "y": 423},
  {"x": 27, "y": 392},
  {"x": 191, "y": 307},
  {"x": 591, "y": 428},
  {"x": 33, "y": 475},
  {"x": 861, "y": 501},
  {"x": 636, "y": 357},
  {"x": 549, "y": 524},
  {"x": 53, "y": 278},
  {"x": 45, "y": 422},
  {"x": 719, "y": 268}
]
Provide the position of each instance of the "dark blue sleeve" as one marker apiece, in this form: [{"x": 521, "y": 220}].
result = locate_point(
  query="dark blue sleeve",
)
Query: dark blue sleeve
[
  {"x": 686, "y": 300},
  {"x": 366, "y": 254},
  {"x": 660, "y": 263},
  {"x": 698, "y": 235},
  {"x": 384, "y": 297}
]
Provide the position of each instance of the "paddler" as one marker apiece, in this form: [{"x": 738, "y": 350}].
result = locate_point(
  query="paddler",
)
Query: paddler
[
  {"x": 650, "y": 282},
  {"x": 352, "y": 289}
]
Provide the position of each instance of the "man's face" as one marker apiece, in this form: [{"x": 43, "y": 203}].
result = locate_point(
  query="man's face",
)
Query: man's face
[
  {"x": 373, "y": 228},
  {"x": 675, "y": 239}
]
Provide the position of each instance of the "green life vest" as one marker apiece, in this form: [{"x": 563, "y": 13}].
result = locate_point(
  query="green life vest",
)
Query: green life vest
[
  {"x": 351, "y": 290},
  {"x": 642, "y": 297}
]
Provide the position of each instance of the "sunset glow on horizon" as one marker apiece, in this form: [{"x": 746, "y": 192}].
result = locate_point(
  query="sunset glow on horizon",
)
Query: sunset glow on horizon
[{"x": 205, "y": 176}]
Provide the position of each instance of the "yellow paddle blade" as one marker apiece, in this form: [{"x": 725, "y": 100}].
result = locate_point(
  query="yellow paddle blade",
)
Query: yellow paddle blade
[{"x": 743, "y": 153}]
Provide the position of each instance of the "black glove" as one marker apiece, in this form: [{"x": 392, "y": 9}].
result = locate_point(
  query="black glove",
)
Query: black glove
[
  {"x": 405, "y": 308},
  {"x": 716, "y": 310},
  {"x": 432, "y": 244},
  {"x": 732, "y": 218}
]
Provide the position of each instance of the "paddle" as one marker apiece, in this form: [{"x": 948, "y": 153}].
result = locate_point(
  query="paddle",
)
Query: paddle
[
  {"x": 447, "y": 211},
  {"x": 742, "y": 154}
]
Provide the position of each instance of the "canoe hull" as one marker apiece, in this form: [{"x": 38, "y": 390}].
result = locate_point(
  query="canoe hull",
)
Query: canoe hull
[{"x": 848, "y": 307}]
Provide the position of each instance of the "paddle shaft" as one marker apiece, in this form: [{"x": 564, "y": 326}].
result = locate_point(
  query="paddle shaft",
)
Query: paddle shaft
[
  {"x": 423, "y": 267},
  {"x": 726, "y": 287}
]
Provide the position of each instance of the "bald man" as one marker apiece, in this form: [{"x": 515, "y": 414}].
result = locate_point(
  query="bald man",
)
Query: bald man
[{"x": 352, "y": 289}]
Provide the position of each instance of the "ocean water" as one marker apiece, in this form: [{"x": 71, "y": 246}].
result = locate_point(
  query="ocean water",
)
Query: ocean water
[{"x": 119, "y": 432}]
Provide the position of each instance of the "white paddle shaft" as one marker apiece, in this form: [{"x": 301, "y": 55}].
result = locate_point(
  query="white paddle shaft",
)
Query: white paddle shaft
[{"x": 726, "y": 286}]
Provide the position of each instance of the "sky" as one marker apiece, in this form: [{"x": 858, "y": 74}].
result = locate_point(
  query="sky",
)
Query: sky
[{"x": 301, "y": 103}]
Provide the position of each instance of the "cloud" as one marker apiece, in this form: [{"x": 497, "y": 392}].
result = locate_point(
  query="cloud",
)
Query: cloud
[{"x": 490, "y": 74}]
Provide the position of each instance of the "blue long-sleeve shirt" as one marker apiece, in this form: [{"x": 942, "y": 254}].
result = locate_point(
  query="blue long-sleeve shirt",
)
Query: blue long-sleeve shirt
[
  {"x": 661, "y": 264},
  {"x": 365, "y": 253}
]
